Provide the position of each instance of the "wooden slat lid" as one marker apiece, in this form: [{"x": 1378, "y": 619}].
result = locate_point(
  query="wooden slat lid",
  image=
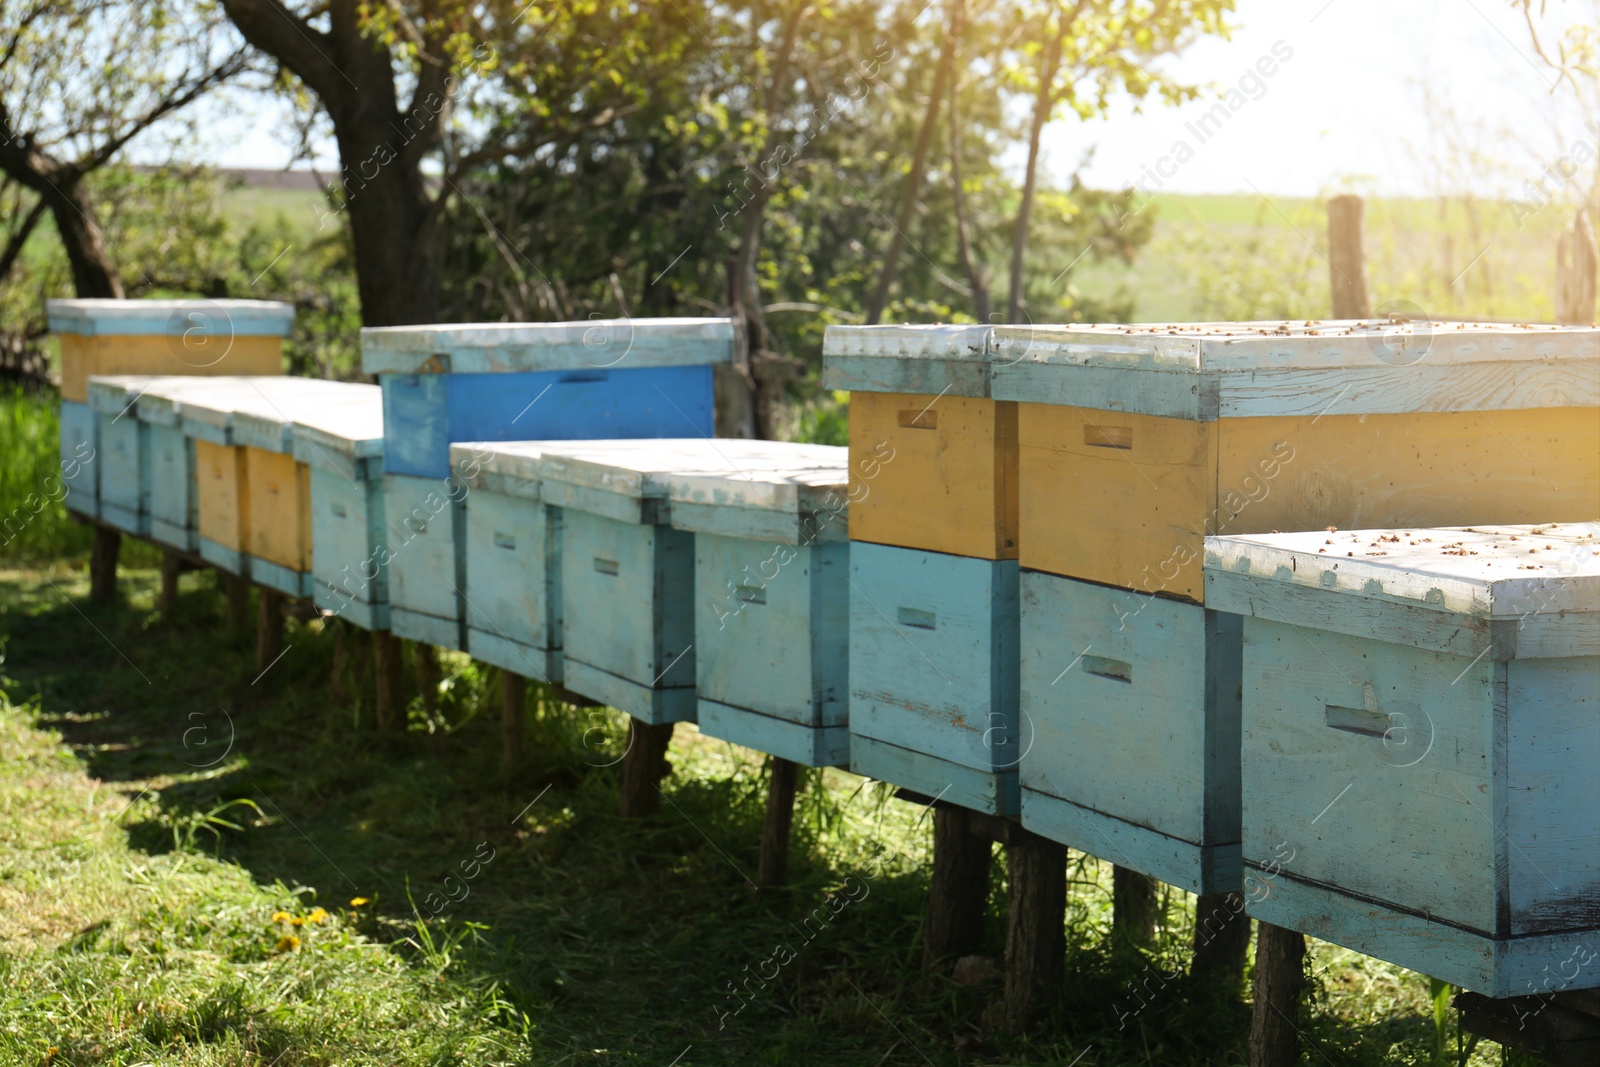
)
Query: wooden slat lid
[
  {"x": 218, "y": 318},
  {"x": 645, "y": 469},
  {"x": 933, "y": 359},
  {"x": 500, "y": 347}
]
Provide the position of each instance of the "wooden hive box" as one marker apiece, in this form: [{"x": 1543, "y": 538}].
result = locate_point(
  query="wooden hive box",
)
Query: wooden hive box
[
  {"x": 1421, "y": 728},
  {"x": 1138, "y": 441},
  {"x": 340, "y": 444},
  {"x": 928, "y": 436},
  {"x": 122, "y": 447},
  {"x": 933, "y": 674},
  {"x": 169, "y": 461},
  {"x": 512, "y": 559},
  {"x": 516, "y": 382},
  {"x": 627, "y": 577},
  {"x": 80, "y": 459},
  {"x": 252, "y": 504},
  {"x": 771, "y": 602},
  {"x": 167, "y": 337}
]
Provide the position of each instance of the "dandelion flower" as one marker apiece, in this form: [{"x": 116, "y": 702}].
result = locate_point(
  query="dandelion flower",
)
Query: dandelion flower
[
  {"x": 297, "y": 921},
  {"x": 356, "y": 902},
  {"x": 281, "y": 917},
  {"x": 287, "y": 943},
  {"x": 317, "y": 915}
]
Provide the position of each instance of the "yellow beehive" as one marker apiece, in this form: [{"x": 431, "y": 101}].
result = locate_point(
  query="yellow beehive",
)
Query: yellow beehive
[
  {"x": 933, "y": 459},
  {"x": 1137, "y": 442},
  {"x": 167, "y": 337}
]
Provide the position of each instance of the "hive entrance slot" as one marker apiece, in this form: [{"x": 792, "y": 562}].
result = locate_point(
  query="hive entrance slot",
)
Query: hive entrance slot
[
  {"x": 1115, "y": 669},
  {"x": 751, "y": 594},
  {"x": 916, "y": 617},
  {"x": 919, "y": 418},
  {"x": 1357, "y": 720},
  {"x": 605, "y": 566},
  {"x": 1108, "y": 436},
  {"x": 505, "y": 540}
]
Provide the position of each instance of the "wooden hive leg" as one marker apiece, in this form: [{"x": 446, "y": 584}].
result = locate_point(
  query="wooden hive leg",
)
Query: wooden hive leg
[
  {"x": 388, "y": 701},
  {"x": 773, "y": 868},
  {"x": 337, "y": 690},
  {"x": 237, "y": 593},
  {"x": 171, "y": 567},
  {"x": 1221, "y": 943},
  {"x": 1280, "y": 978},
  {"x": 1036, "y": 937},
  {"x": 513, "y": 717},
  {"x": 429, "y": 671},
  {"x": 1133, "y": 907},
  {"x": 103, "y": 565},
  {"x": 269, "y": 629},
  {"x": 643, "y": 767},
  {"x": 959, "y": 889}
]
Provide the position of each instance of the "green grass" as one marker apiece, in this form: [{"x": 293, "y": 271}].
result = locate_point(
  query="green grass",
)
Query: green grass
[{"x": 136, "y": 923}]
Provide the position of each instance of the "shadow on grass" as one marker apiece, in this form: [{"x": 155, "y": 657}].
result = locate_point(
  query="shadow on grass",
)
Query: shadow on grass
[{"x": 619, "y": 939}]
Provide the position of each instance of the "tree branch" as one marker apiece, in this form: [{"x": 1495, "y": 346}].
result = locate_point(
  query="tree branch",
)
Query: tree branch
[{"x": 269, "y": 26}]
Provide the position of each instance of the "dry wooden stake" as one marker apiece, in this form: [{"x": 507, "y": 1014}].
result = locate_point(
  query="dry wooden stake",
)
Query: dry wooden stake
[
  {"x": 644, "y": 766},
  {"x": 959, "y": 888},
  {"x": 171, "y": 568},
  {"x": 269, "y": 629},
  {"x": 1036, "y": 938},
  {"x": 388, "y": 700},
  {"x": 773, "y": 868},
  {"x": 103, "y": 565},
  {"x": 513, "y": 717},
  {"x": 1280, "y": 978}
]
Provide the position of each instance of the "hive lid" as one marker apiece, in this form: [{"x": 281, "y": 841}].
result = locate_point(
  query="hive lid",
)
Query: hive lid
[
  {"x": 1514, "y": 576},
  {"x": 262, "y": 409},
  {"x": 517, "y": 462},
  {"x": 931, "y": 360},
  {"x": 218, "y": 318},
  {"x": 117, "y": 394},
  {"x": 1206, "y": 371},
  {"x": 499, "y": 347},
  {"x": 790, "y": 478},
  {"x": 271, "y": 418},
  {"x": 158, "y": 399}
]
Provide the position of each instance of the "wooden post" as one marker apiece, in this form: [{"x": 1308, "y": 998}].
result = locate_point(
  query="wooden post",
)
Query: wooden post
[
  {"x": 269, "y": 629},
  {"x": 1575, "y": 273},
  {"x": 1280, "y": 978},
  {"x": 337, "y": 690},
  {"x": 773, "y": 868},
  {"x": 513, "y": 717},
  {"x": 237, "y": 592},
  {"x": 428, "y": 673},
  {"x": 103, "y": 565},
  {"x": 171, "y": 567},
  {"x": 1036, "y": 939},
  {"x": 959, "y": 890},
  {"x": 643, "y": 767},
  {"x": 388, "y": 701},
  {"x": 1347, "y": 260},
  {"x": 1134, "y": 907},
  {"x": 1221, "y": 943}
]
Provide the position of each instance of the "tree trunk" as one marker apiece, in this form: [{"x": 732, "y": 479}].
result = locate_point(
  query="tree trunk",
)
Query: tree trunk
[
  {"x": 1134, "y": 907},
  {"x": 643, "y": 767},
  {"x": 269, "y": 629},
  {"x": 1221, "y": 943},
  {"x": 1280, "y": 978},
  {"x": 171, "y": 568},
  {"x": 1036, "y": 939},
  {"x": 959, "y": 889},
  {"x": 1575, "y": 273},
  {"x": 103, "y": 565},
  {"x": 773, "y": 867},
  {"x": 513, "y": 717},
  {"x": 1044, "y": 103},
  {"x": 977, "y": 277},
  {"x": 1347, "y": 260},
  {"x": 919, "y": 162},
  {"x": 393, "y": 230}
]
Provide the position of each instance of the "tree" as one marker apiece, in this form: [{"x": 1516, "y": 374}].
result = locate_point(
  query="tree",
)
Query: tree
[
  {"x": 1077, "y": 55},
  {"x": 79, "y": 80}
]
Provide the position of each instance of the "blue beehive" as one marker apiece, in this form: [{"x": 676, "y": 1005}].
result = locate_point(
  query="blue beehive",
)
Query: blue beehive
[
  {"x": 121, "y": 451},
  {"x": 516, "y": 382},
  {"x": 341, "y": 444},
  {"x": 80, "y": 466},
  {"x": 1421, "y": 727},
  {"x": 512, "y": 556},
  {"x": 772, "y": 603}
]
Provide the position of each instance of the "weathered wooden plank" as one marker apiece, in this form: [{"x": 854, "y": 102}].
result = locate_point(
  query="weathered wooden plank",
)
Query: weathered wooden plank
[
  {"x": 991, "y": 792},
  {"x": 596, "y": 344},
  {"x": 932, "y": 360}
]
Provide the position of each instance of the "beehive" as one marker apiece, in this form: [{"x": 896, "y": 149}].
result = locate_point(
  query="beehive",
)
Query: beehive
[
  {"x": 122, "y": 448},
  {"x": 933, "y": 674},
  {"x": 252, "y": 501},
  {"x": 167, "y": 337},
  {"x": 627, "y": 577},
  {"x": 1421, "y": 727},
  {"x": 1141, "y": 440},
  {"x": 939, "y": 453},
  {"x": 80, "y": 459},
  {"x": 340, "y": 445},
  {"x": 1135, "y": 442},
  {"x": 771, "y": 602},
  {"x": 515, "y": 382},
  {"x": 512, "y": 560}
]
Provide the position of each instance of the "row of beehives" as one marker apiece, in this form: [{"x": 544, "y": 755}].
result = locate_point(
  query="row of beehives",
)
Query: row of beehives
[{"x": 1019, "y": 622}]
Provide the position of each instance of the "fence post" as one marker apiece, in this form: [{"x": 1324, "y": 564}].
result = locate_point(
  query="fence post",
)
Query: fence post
[{"x": 1347, "y": 260}]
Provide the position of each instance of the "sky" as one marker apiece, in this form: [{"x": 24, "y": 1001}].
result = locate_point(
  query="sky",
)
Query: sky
[{"x": 1360, "y": 96}]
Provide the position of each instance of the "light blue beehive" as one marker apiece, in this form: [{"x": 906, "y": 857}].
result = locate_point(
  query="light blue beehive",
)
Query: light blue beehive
[
  {"x": 512, "y": 559},
  {"x": 1421, "y": 728},
  {"x": 497, "y": 382},
  {"x": 122, "y": 452},
  {"x": 771, "y": 603},
  {"x": 80, "y": 458}
]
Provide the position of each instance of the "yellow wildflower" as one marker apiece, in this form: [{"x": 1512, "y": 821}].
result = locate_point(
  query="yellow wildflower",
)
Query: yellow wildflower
[
  {"x": 297, "y": 921},
  {"x": 356, "y": 902},
  {"x": 317, "y": 915},
  {"x": 281, "y": 917},
  {"x": 287, "y": 943}
]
